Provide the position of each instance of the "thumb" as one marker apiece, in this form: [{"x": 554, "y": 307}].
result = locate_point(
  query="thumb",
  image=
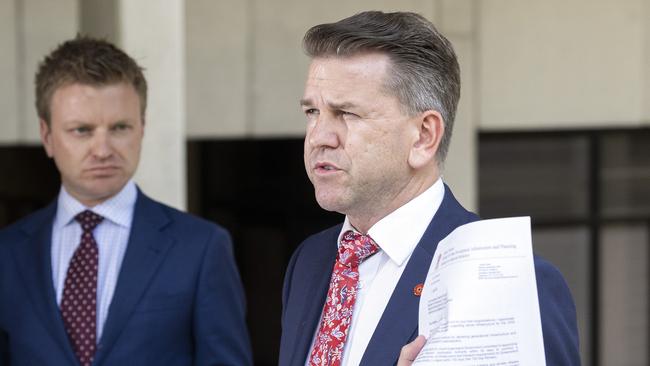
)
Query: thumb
[{"x": 411, "y": 351}]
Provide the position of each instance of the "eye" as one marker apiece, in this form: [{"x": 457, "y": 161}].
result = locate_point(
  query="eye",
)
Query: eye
[
  {"x": 123, "y": 126},
  {"x": 311, "y": 112},
  {"x": 81, "y": 130},
  {"x": 347, "y": 114}
]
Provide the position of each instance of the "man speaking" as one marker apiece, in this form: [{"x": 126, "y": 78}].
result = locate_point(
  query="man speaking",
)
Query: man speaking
[{"x": 379, "y": 100}]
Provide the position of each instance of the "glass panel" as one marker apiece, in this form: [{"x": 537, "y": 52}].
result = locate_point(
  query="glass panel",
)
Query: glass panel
[
  {"x": 568, "y": 249},
  {"x": 624, "y": 295},
  {"x": 29, "y": 181},
  {"x": 544, "y": 177},
  {"x": 626, "y": 174}
]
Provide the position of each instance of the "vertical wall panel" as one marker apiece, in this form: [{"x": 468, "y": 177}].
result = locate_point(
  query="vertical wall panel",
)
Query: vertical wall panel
[
  {"x": 646, "y": 61},
  {"x": 218, "y": 65},
  {"x": 153, "y": 33},
  {"x": 8, "y": 72},
  {"x": 624, "y": 296}
]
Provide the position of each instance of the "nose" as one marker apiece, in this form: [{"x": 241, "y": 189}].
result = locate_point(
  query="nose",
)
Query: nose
[
  {"x": 101, "y": 145},
  {"x": 325, "y": 132}
]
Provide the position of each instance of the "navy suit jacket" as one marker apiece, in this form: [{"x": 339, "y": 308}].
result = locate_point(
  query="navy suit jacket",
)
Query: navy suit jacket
[
  {"x": 307, "y": 281},
  {"x": 178, "y": 298}
]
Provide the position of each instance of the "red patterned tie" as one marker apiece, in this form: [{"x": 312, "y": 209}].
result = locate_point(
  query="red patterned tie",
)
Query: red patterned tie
[
  {"x": 339, "y": 305},
  {"x": 79, "y": 302}
]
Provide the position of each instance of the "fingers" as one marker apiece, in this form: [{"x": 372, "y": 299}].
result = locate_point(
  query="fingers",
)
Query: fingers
[{"x": 411, "y": 351}]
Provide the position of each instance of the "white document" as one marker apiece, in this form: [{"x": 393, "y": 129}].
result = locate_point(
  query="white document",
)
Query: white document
[{"x": 479, "y": 302}]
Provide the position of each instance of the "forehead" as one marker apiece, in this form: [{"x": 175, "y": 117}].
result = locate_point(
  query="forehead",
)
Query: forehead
[
  {"x": 77, "y": 100},
  {"x": 347, "y": 77}
]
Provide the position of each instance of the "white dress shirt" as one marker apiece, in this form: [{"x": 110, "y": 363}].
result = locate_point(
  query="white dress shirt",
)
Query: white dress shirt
[
  {"x": 397, "y": 235},
  {"x": 111, "y": 235}
]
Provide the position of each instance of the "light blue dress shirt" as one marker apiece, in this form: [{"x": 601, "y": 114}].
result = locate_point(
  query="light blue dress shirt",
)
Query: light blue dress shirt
[{"x": 111, "y": 235}]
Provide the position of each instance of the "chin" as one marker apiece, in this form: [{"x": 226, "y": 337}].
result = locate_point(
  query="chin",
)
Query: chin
[
  {"x": 103, "y": 192},
  {"x": 330, "y": 204}
]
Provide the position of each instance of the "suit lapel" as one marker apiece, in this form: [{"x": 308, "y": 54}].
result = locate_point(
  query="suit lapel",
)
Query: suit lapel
[
  {"x": 317, "y": 286},
  {"x": 399, "y": 322},
  {"x": 34, "y": 262},
  {"x": 145, "y": 251}
]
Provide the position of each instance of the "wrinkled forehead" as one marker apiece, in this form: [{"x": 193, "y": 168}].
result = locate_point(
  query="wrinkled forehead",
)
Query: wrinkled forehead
[
  {"x": 368, "y": 70},
  {"x": 343, "y": 80},
  {"x": 363, "y": 65}
]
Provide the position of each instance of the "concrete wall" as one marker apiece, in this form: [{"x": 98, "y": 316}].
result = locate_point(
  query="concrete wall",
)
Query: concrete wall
[
  {"x": 548, "y": 64},
  {"x": 8, "y": 72}
]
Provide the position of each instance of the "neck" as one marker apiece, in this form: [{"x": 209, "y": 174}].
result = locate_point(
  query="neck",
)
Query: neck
[{"x": 366, "y": 217}]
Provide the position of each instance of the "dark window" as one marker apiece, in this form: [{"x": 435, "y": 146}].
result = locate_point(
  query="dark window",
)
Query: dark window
[
  {"x": 588, "y": 193},
  {"x": 259, "y": 191}
]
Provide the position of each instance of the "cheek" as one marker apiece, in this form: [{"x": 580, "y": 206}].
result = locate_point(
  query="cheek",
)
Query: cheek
[
  {"x": 69, "y": 153},
  {"x": 128, "y": 147},
  {"x": 307, "y": 149},
  {"x": 48, "y": 148},
  {"x": 379, "y": 155}
]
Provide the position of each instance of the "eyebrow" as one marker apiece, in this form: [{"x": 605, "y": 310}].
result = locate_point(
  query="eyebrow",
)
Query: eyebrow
[
  {"x": 306, "y": 102},
  {"x": 76, "y": 122},
  {"x": 335, "y": 106}
]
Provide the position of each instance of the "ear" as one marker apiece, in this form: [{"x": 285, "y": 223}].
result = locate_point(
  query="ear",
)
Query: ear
[
  {"x": 430, "y": 128},
  {"x": 46, "y": 137}
]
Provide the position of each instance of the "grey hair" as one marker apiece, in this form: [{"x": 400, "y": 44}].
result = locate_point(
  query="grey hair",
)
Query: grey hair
[{"x": 424, "y": 75}]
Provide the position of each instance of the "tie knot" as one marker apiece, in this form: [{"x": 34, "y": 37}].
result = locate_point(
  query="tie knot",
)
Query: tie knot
[
  {"x": 88, "y": 220},
  {"x": 355, "y": 248}
]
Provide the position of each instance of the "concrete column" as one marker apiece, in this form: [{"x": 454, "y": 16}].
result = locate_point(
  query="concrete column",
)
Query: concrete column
[
  {"x": 153, "y": 33},
  {"x": 646, "y": 61},
  {"x": 218, "y": 68},
  {"x": 8, "y": 72}
]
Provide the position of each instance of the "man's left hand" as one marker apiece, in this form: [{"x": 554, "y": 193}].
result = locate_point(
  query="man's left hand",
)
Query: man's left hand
[{"x": 411, "y": 351}]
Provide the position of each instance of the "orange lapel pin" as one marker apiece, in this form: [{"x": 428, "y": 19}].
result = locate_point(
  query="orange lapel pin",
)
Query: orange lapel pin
[{"x": 417, "y": 290}]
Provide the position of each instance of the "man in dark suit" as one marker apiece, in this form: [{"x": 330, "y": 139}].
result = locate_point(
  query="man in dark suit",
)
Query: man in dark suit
[
  {"x": 380, "y": 99},
  {"x": 105, "y": 275}
]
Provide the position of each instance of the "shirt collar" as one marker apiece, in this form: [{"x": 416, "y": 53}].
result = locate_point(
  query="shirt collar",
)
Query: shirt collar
[
  {"x": 117, "y": 209},
  {"x": 398, "y": 233}
]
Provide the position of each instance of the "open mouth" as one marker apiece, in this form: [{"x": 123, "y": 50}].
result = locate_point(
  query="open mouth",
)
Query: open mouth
[{"x": 325, "y": 167}]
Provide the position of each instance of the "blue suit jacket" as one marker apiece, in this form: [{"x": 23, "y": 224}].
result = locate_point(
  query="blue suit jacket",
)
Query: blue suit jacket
[
  {"x": 178, "y": 298},
  {"x": 307, "y": 280}
]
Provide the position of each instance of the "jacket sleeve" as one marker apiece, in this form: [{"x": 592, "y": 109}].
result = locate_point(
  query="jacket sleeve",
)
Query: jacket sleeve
[
  {"x": 220, "y": 333},
  {"x": 4, "y": 349},
  {"x": 558, "y": 314}
]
